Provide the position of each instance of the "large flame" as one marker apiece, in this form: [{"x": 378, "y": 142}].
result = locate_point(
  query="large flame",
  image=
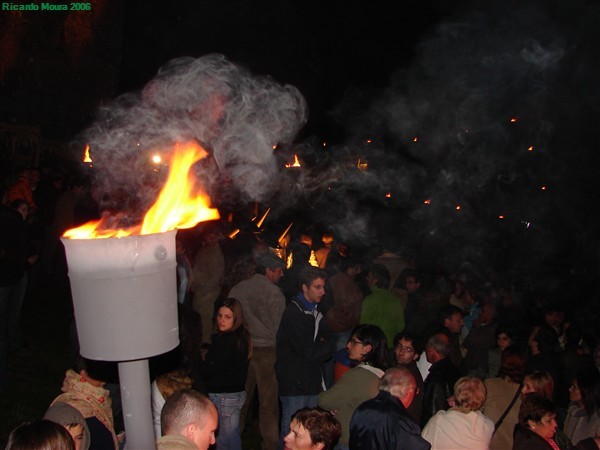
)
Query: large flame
[{"x": 180, "y": 204}]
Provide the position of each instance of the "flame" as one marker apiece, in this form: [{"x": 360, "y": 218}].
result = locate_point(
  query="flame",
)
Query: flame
[
  {"x": 530, "y": 148},
  {"x": 500, "y": 216},
  {"x": 415, "y": 139},
  {"x": 427, "y": 202},
  {"x": 296, "y": 162},
  {"x": 262, "y": 219},
  {"x": 513, "y": 120},
  {"x": 362, "y": 164},
  {"x": 86, "y": 155},
  {"x": 180, "y": 204},
  {"x": 388, "y": 195},
  {"x": 544, "y": 188},
  {"x": 458, "y": 207},
  {"x": 281, "y": 239}
]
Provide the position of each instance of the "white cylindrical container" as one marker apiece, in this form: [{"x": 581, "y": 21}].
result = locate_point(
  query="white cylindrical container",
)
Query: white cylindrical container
[{"x": 124, "y": 295}]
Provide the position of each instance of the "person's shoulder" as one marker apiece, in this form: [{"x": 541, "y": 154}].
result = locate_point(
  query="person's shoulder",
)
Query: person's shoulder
[{"x": 173, "y": 442}]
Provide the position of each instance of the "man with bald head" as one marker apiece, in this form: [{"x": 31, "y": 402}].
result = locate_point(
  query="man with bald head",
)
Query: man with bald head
[
  {"x": 188, "y": 421},
  {"x": 383, "y": 421}
]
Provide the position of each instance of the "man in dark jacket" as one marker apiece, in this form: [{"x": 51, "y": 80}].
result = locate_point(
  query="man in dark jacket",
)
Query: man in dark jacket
[
  {"x": 303, "y": 345},
  {"x": 439, "y": 384},
  {"x": 383, "y": 422}
]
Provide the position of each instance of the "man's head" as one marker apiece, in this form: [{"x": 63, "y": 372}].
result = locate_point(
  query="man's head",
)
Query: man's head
[
  {"x": 399, "y": 382},
  {"x": 312, "y": 283},
  {"x": 438, "y": 347},
  {"x": 451, "y": 317},
  {"x": 312, "y": 429},
  {"x": 379, "y": 276},
  {"x": 192, "y": 415},
  {"x": 271, "y": 266},
  {"x": 350, "y": 266},
  {"x": 406, "y": 348},
  {"x": 413, "y": 282}
]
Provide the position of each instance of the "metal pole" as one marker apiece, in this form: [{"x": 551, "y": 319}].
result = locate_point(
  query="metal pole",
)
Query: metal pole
[{"x": 134, "y": 379}]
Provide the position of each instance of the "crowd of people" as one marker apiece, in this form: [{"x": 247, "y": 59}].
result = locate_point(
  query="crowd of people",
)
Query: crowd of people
[{"x": 342, "y": 345}]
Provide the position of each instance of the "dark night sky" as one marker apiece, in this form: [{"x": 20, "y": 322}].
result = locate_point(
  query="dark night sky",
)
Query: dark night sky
[{"x": 322, "y": 49}]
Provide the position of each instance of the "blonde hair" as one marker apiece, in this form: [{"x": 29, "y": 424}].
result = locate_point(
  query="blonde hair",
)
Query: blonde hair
[{"x": 469, "y": 394}]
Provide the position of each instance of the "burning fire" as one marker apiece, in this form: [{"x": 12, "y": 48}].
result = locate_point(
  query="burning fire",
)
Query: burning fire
[
  {"x": 86, "y": 155},
  {"x": 296, "y": 162},
  {"x": 180, "y": 204}
]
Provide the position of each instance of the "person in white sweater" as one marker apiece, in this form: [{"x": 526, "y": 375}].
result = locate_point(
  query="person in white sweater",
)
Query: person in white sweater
[{"x": 463, "y": 425}]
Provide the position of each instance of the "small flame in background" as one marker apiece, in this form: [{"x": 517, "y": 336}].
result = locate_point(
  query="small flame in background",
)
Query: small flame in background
[
  {"x": 180, "y": 204},
  {"x": 86, "y": 155},
  {"x": 362, "y": 165},
  {"x": 296, "y": 162}
]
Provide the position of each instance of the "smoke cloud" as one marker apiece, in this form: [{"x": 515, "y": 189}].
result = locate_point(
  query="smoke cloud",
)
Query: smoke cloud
[{"x": 237, "y": 116}]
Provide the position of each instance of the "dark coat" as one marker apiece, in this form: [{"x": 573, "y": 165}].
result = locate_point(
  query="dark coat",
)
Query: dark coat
[
  {"x": 13, "y": 247},
  {"x": 384, "y": 423},
  {"x": 301, "y": 351},
  {"x": 226, "y": 365},
  {"x": 438, "y": 386},
  {"x": 525, "y": 439}
]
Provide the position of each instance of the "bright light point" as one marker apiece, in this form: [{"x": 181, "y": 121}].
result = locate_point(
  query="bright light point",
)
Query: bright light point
[
  {"x": 427, "y": 202},
  {"x": 156, "y": 159},
  {"x": 369, "y": 141},
  {"x": 530, "y": 148},
  {"x": 500, "y": 217},
  {"x": 543, "y": 188},
  {"x": 388, "y": 195},
  {"x": 458, "y": 207},
  {"x": 415, "y": 139},
  {"x": 275, "y": 147},
  {"x": 513, "y": 120},
  {"x": 324, "y": 144}
]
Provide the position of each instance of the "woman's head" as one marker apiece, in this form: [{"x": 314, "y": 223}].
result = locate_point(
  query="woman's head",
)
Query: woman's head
[
  {"x": 504, "y": 336},
  {"x": 40, "y": 435},
  {"x": 230, "y": 316},
  {"x": 512, "y": 364},
  {"x": 313, "y": 429},
  {"x": 585, "y": 390},
  {"x": 368, "y": 344},
  {"x": 540, "y": 383},
  {"x": 538, "y": 413},
  {"x": 469, "y": 394}
]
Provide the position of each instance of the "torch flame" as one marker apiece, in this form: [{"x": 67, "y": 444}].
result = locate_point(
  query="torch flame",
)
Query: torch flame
[
  {"x": 86, "y": 155},
  {"x": 180, "y": 204},
  {"x": 296, "y": 162}
]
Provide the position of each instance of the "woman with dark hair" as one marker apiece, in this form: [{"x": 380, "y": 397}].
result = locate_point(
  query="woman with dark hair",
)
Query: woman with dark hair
[
  {"x": 505, "y": 337},
  {"x": 368, "y": 346},
  {"x": 312, "y": 429},
  {"x": 542, "y": 383},
  {"x": 40, "y": 435},
  {"x": 503, "y": 397},
  {"x": 537, "y": 424},
  {"x": 583, "y": 416},
  {"x": 225, "y": 369}
]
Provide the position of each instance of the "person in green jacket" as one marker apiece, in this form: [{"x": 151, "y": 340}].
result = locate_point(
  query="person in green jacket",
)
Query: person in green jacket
[{"x": 381, "y": 307}]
